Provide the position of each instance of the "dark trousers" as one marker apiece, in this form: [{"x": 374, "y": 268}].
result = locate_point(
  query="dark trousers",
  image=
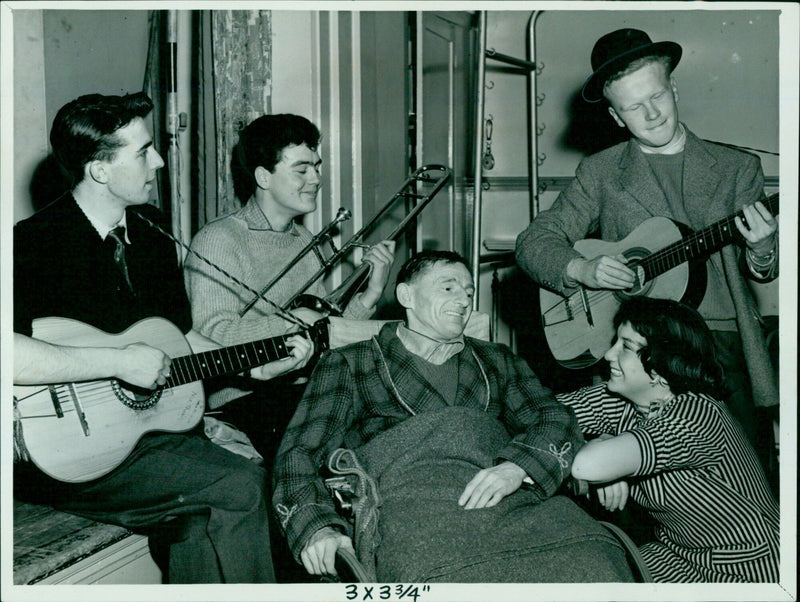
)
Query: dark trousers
[
  {"x": 756, "y": 422},
  {"x": 204, "y": 504},
  {"x": 264, "y": 415}
]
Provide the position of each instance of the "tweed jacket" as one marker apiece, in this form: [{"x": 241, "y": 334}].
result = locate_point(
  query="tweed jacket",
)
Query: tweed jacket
[
  {"x": 615, "y": 190},
  {"x": 363, "y": 389}
]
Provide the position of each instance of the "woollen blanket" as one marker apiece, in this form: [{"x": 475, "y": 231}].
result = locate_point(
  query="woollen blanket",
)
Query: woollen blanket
[{"x": 422, "y": 466}]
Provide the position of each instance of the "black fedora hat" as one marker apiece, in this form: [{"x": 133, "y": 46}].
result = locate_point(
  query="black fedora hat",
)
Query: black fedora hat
[{"x": 616, "y": 50}]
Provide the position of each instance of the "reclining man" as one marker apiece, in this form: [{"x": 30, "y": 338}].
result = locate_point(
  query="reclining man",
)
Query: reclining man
[
  {"x": 72, "y": 260},
  {"x": 465, "y": 447}
]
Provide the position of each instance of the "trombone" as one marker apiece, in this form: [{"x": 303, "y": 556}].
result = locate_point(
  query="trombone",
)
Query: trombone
[{"x": 334, "y": 304}]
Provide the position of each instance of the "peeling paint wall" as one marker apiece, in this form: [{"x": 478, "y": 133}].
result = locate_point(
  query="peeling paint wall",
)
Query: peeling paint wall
[
  {"x": 242, "y": 85},
  {"x": 727, "y": 79},
  {"x": 30, "y": 129},
  {"x": 62, "y": 54}
]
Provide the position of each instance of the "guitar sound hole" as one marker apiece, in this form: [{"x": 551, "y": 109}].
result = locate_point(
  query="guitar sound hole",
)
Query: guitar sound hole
[
  {"x": 136, "y": 398},
  {"x": 640, "y": 286}
]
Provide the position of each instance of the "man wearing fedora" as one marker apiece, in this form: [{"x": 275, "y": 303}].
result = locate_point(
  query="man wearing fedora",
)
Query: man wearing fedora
[{"x": 665, "y": 170}]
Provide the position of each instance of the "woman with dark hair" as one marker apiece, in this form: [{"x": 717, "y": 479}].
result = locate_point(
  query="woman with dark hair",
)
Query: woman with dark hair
[{"x": 661, "y": 437}]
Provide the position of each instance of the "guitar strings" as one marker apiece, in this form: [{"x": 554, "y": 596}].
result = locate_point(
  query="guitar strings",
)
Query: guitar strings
[
  {"x": 86, "y": 394},
  {"x": 189, "y": 368},
  {"x": 90, "y": 394},
  {"x": 724, "y": 228},
  {"x": 668, "y": 254}
]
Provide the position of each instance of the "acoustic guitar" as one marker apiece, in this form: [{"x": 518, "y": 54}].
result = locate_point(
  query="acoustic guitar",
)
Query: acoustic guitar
[
  {"x": 80, "y": 431},
  {"x": 669, "y": 261}
]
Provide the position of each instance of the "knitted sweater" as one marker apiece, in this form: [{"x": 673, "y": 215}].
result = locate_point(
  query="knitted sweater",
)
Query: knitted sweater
[{"x": 244, "y": 245}]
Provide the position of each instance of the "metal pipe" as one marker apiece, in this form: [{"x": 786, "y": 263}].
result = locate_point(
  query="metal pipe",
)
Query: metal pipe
[
  {"x": 184, "y": 108},
  {"x": 173, "y": 123},
  {"x": 510, "y": 60},
  {"x": 419, "y": 117},
  {"x": 451, "y": 191},
  {"x": 533, "y": 141},
  {"x": 478, "y": 198}
]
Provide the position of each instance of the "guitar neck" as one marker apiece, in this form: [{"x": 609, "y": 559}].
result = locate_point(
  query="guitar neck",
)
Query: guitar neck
[
  {"x": 238, "y": 358},
  {"x": 698, "y": 244}
]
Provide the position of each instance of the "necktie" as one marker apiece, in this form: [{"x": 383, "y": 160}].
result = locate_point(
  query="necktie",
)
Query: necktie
[{"x": 118, "y": 234}]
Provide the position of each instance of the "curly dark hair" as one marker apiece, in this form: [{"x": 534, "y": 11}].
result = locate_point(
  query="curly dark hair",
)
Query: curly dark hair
[
  {"x": 679, "y": 344},
  {"x": 85, "y": 129},
  {"x": 261, "y": 143}
]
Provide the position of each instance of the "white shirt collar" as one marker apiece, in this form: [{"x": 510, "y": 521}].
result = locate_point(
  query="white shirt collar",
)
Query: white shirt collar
[
  {"x": 672, "y": 148},
  {"x": 431, "y": 350},
  {"x": 103, "y": 229}
]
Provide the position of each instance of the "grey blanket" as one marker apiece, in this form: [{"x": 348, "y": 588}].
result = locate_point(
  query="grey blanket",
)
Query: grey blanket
[{"x": 422, "y": 466}]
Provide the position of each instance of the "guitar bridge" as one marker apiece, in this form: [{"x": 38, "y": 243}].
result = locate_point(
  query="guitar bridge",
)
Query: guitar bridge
[
  {"x": 558, "y": 314},
  {"x": 568, "y": 309},
  {"x": 76, "y": 402},
  {"x": 56, "y": 402},
  {"x": 587, "y": 308}
]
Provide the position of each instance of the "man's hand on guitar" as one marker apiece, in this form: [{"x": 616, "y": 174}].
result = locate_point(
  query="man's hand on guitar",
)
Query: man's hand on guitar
[
  {"x": 141, "y": 365},
  {"x": 758, "y": 229},
  {"x": 602, "y": 272},
  {"x": 302, "y": 349}
]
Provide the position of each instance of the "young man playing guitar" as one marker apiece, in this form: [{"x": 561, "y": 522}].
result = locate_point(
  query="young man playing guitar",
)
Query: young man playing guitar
[
  {"x": 664, "y": 170},
  {"x": 203, "y": 503}
]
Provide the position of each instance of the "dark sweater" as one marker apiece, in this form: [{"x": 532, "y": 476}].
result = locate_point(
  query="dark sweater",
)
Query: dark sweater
[{"x": 63, "y": 268}]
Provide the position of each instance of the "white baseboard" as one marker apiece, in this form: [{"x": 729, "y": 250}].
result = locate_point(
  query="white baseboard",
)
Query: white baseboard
[{"x": 128, "y": 561}]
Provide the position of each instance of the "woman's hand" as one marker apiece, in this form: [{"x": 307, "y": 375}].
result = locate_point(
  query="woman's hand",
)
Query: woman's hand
[{"x": 613, "y": 496}]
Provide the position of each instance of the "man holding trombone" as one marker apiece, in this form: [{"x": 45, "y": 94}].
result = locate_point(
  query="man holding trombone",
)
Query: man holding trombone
[{"x": 276, "y": 174}]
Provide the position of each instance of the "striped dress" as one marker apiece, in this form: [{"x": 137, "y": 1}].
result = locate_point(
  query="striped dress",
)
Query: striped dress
[{"x": 700, "y": 480}]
